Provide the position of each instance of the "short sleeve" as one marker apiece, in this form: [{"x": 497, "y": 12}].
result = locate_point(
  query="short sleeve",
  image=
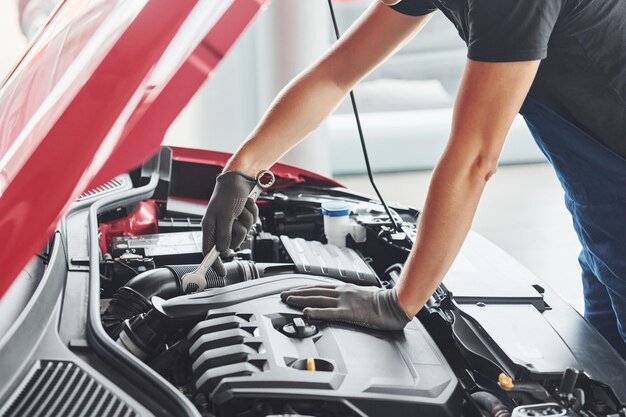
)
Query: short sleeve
[
  {"x": 510, "y": 30},
  {"x": 414, "y": 7}
]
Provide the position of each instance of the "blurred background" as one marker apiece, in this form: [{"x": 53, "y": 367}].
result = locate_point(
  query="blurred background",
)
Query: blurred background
[
  {"x": 12, "y": 41},
  {"x": 406, "y": 110}
]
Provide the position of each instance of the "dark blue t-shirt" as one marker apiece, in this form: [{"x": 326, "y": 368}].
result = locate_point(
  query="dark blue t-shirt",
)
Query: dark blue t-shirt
[{"x": 582, "y": 45}]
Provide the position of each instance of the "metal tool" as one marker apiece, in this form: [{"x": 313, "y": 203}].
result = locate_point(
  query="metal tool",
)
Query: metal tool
[{"x": 196, "y": 280}]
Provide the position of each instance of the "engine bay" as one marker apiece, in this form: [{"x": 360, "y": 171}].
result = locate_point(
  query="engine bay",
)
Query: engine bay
[{"x": 235, "y": 349}]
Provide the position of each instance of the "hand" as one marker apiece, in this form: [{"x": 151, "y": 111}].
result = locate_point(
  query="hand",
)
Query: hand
[
  {"x": 363, "y": 306},
  {"x": 229, "y": 215}
]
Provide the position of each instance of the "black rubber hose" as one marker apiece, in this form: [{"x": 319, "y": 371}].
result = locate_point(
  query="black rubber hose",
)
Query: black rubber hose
[
  {"x": 134, "y": 297},
  {"x": 491, "y": 404}
]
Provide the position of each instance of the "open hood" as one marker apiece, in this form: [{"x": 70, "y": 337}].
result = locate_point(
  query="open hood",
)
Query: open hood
[{"x": 93, "y": 97}]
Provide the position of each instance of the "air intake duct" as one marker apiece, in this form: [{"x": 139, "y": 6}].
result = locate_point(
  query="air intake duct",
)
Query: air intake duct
[{"x": 134, "y": 298}]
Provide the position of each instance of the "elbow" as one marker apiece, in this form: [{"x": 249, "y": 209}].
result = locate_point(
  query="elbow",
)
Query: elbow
[
  {"x": 475, "y": 159},
  {"x": 484, "y": 165},
  {"x": 476, "y": 165}
]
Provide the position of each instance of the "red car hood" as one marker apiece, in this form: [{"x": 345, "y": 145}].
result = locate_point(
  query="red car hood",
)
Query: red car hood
[{"x": 93, "y": 97}]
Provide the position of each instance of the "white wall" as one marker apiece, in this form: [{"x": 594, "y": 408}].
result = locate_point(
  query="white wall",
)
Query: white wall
[
  {"x": 282, "y": 41},
  {"x": 12, "y": 42}
]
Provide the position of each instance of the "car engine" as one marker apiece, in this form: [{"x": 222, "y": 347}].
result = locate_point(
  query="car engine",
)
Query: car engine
[
  {"x": 237, "y": 347},
  {"x": 234, "y": 348},
  {"x": 258, "y": 349}
]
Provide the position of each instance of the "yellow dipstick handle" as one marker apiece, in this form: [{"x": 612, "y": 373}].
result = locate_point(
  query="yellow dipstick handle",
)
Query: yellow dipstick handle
[
  {"x": 310, "y": 364},
  {"x": 505, "y": 381}
]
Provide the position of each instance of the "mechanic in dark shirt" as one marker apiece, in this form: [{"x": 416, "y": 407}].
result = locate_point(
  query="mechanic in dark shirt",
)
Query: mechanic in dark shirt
[{"x": 560, "y": 63}]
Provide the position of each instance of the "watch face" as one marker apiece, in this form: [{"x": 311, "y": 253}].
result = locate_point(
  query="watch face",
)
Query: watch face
[{"x": 390, "y": 2}]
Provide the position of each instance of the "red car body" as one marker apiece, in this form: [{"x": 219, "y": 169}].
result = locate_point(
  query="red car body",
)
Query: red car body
[{"x": 93, "y": 97}]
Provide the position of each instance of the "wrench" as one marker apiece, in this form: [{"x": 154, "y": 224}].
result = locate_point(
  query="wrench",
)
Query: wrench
[{"x": 196, "y": 280}]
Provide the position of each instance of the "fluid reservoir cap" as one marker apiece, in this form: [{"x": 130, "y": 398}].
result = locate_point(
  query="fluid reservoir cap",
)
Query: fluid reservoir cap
[
  {"x": 505, "y": 381},
  {"x": 300, "y": 329},
  {"x": 335, "y": 208}
]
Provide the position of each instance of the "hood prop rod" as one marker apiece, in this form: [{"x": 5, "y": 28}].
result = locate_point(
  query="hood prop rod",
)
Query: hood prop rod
[{"x": 360, "y": 130}]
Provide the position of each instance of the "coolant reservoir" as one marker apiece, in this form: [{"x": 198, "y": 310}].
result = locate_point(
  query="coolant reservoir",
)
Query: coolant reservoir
[{"x": 336, "y": 222}]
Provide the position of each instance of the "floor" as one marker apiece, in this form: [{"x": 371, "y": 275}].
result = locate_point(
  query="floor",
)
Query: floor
[{"x": 521, "y": 211}]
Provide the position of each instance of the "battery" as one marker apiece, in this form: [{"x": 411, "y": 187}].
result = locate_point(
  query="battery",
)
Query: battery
[{"x": 174, "y": 247}]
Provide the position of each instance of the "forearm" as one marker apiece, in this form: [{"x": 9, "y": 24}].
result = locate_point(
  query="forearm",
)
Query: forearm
[
  {"x": 298, "y": 110},
  {"x": 488, "y": 100},
  {"x": 455, "y": 190}
]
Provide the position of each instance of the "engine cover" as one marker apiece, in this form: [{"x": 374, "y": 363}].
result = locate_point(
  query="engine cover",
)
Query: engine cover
[{"x": 258, "y": 351}]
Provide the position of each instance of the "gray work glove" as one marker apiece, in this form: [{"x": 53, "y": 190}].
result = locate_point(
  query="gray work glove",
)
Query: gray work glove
[
  {"x": 229, "y": 215},
  {"x": 363, "y": 306}
]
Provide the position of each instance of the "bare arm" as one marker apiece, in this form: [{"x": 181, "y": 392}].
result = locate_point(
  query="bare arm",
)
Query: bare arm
[
  {"x": 305, "y": 102},
  {"x": 490, "y": 96}
]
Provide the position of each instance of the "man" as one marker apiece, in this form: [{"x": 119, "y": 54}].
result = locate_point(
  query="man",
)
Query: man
[{"x": 560, "y": 63}]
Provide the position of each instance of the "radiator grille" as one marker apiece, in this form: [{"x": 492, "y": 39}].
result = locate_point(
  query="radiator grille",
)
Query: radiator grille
[
  {"x": 115, "y": 184},
  {"x": 59, "y": 388}
]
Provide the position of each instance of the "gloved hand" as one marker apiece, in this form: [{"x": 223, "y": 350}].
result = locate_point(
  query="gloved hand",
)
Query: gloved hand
[
  {"x": 229, "y": 215},
  {"x": 363, "y": 306}
]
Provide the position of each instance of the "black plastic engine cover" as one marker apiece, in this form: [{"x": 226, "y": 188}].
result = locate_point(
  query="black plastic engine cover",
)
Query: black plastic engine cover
[
  {"x": 315, "y": 258},
  {"x": 241, "y": 353}
]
